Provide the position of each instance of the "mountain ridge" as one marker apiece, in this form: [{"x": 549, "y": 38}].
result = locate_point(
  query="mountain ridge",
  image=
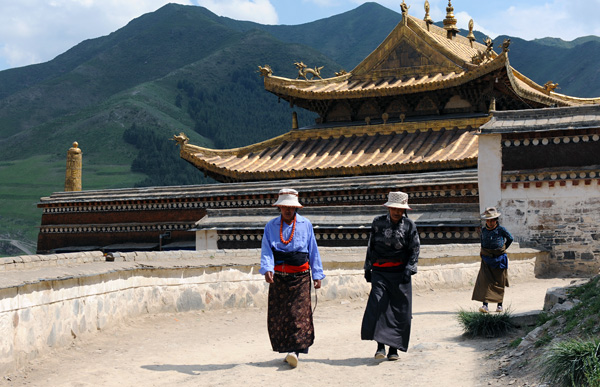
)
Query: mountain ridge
[{"x": 182, "y": 68}]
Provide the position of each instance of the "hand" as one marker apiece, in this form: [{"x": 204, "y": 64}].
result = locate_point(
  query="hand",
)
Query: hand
[
  {"x": 368, "y": 275},
  {"x": 317, "y": 284},
  {"x": 405, "y": 278},
  {"x": 269, "y": 277}
]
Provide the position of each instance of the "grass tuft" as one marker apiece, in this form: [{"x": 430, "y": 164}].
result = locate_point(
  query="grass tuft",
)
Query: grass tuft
[
  {"x": 573, "y": 363},
  {"x": 478, "y": 324}
]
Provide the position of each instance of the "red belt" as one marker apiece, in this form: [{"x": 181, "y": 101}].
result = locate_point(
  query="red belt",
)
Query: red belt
[
  {"x": 387, "y": 264},
  {"x": 292, "y": 269}
]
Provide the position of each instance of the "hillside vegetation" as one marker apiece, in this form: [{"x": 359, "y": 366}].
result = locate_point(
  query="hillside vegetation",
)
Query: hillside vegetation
[{"x": 184, "y": 69}]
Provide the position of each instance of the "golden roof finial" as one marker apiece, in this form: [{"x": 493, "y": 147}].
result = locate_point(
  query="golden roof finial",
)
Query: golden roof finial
[
  {"x": 471, "y": 36},
  {"x": 450, "y": 21},
  {"x": 404, "y": 7},
  {"x": 428, "y": 20}
]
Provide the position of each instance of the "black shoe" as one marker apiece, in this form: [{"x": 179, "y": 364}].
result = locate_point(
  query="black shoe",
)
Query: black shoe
[
  {"x": 380, "y": 354},
  {"x": 393, "y": 354}
]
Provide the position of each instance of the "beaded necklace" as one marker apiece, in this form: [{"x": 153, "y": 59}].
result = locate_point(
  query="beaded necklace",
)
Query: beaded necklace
[{"x": 285, "y": 242}]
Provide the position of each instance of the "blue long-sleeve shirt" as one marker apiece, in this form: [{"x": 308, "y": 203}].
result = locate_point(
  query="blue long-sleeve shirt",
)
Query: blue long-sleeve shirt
[
  {"x": 496, "y": 238},
  {"x": 303, "y": 241}
]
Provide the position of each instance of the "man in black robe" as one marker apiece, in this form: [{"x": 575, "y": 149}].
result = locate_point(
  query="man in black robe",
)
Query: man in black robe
[{"x": 392, "y": 256}]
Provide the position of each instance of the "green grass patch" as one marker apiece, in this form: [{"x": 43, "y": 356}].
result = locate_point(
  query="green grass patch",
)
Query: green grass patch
[
  {"x": 24, "y": 182},
  {"x": 573, "y": 363},
  {"x": 476, "y": 324},
  {"x": 545, "y": 339},
  {"x": 583, "y": 318},
  {"x": 515, "y": 343}
]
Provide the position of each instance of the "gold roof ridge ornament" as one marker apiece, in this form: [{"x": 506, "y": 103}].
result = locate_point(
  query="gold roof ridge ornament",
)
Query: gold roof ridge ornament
[
  {"x": 488, "y": 54},
  {"x": 504, "y": 45},
  {"x": 404, "y": 8},
  {"x": 471, "y": 36},
  {"x": 550, "y": 87},
  {"x": 181, "y": 139},
  {"x": 265, "y": 71},
  {"x": 450, "y": 21},
  {"x": 427, "y": 19},
  {"x": 303, "y": 70}
]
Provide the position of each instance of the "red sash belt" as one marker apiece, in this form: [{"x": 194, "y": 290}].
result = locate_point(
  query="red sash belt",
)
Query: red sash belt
[
  {"x": 291, "y": 268},
  {"x": 387, "y": 264}
]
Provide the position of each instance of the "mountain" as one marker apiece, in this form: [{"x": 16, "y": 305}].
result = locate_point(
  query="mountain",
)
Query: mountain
[
  {"x": 574, "y": 65},
  {"x": 183, "y": 68}
]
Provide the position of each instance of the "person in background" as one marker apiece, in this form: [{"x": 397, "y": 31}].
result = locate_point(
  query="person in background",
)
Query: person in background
[
  {"x": 391, "y": 261},
  {"x": 289, "y": 253},
  {"x": 493, "y": 272}
]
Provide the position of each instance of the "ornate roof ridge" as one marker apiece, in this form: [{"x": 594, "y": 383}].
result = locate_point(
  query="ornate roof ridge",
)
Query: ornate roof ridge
[
  {"x": 296, "y": 88},
  {"x": 542, "y": 94},
  {"x": 398, "y": 167}
]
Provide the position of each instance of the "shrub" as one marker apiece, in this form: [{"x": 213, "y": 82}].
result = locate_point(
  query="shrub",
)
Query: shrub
[
  {"x": 485, "y": 324},
  {"x": 573, "y": 363}
]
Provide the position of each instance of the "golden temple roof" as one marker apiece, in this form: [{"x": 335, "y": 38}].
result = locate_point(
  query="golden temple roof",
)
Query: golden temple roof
[
  {"x": 417, "y": 57},
  {"x": 346, "y": 151}
]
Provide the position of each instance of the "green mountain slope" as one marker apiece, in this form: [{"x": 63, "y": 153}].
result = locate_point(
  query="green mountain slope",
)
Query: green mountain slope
[
  {"x": 183, "y": 68},
  {"x": 574, "y": 66}
]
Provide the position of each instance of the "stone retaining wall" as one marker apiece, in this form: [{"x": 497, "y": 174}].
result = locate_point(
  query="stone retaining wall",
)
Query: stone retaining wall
[
  {"x": 568, "y": 226},
  {"x": 47, "y": 302}
]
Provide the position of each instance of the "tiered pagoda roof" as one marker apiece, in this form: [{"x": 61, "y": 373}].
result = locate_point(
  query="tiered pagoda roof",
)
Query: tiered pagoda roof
[
  {"x": 412, "y": 105},
  {"x": 346, "y": 151}
]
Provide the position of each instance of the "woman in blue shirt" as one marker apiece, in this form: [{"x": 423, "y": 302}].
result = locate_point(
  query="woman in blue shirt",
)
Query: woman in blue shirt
[
  {"x": 289, "y": 254},
  {"x": 493, "y": 276}
]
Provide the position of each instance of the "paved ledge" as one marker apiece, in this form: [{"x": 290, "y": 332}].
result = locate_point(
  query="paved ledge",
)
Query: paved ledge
[
  {"x": 45, "y": 301},
  {"x": 30, "y": 269}
]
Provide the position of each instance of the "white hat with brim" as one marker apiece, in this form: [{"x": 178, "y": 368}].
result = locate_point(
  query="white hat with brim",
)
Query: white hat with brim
[
  {"x": 288, "y": 198},
  {"x": 490, "y": 213},
  {"x": 397, "y": 200}
]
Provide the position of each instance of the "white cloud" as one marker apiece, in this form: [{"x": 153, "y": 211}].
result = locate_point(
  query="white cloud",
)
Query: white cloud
[
  {"x": 259, "y": 11},
  {"x": 34, "y": 31},
  {"x": 567, "y": 19}
]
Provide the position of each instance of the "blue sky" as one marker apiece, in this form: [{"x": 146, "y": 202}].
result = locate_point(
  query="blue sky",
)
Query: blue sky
[{"x": 35, "y": 31}]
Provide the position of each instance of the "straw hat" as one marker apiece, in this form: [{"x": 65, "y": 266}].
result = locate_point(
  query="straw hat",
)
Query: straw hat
[
  {"x": 288, "y": 198},
  {"x": 397, "y": 200},
  {"x": 490, "y": 213}
]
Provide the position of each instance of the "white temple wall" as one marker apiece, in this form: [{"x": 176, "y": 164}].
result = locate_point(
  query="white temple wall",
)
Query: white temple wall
[
  {"x": 489, "y": 171},
  {"x": 563, "y": 219}
]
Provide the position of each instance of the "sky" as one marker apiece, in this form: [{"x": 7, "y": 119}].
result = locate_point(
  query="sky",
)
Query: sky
[{"x": 36, "y": 31}]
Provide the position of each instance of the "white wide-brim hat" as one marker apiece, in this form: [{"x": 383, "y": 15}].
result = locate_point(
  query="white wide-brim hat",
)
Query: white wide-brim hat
[
  {"x": 397, "y": 199},
  {"x": 490, "y": 213},
  {"x": 288, "y": 198}
]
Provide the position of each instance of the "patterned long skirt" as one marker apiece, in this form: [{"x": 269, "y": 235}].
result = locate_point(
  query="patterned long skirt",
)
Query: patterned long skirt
[
  {"x": 289, "y": 318},
  {"x": 388, "y": 315},
  {"x": 490, "y": 284}
]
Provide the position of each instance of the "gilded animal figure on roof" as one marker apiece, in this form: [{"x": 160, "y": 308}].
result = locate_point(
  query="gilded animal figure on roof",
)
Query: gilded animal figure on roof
[
  {"x": 265, "y": 71},
  {"x": 404, "y": 7},
  {"x": 304, "y": 70},
  {"x": 181, "y": 139},
  {"x": 550, "y": 86},
  {"x": 504, "y": 45}
]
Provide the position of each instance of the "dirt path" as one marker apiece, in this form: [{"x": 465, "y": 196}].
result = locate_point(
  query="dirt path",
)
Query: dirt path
[{"x": 223, "y": 348}]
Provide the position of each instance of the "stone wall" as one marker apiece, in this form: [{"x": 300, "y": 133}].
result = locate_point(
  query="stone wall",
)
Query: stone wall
[
  {"x": 564, "y": 220},
  {"x": 47, "y": 302}
]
